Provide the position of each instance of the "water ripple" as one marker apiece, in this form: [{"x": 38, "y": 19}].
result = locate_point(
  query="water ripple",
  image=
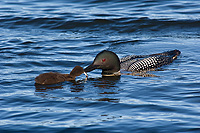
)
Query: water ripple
[{"x": 42, "y": 36}]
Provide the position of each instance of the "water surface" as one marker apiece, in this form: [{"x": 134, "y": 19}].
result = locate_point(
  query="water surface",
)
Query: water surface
[{"x": 41, "y": 36}]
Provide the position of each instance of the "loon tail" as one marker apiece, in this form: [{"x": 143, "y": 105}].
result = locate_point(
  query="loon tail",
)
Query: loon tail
[
  {"x": 173, "y": 53},
  {"x": 176, "y": 53}
]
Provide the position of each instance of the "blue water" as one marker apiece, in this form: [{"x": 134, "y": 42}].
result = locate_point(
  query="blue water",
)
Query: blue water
[{"x": 39, "y": 36}]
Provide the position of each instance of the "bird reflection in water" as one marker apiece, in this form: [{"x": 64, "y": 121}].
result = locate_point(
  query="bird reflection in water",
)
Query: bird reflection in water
[
  {"x": 105, "y": 82},
  {"x": 106, "y": 86},
  {"x": 45, "y": 88},
  {"x": 41, "y": 90}
]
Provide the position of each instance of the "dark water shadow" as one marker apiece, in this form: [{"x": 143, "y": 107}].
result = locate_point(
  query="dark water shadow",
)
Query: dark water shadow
[
  {"x": 104, "y": 86},
  {"x": 104, "y": 81},
  {"x": 45, "y": 88}
]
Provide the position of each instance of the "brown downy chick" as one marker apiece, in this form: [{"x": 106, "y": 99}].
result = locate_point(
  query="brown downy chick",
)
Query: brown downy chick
[{"x": 54, "y": 78}]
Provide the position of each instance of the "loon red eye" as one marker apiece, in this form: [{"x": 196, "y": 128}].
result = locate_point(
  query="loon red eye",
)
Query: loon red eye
[{"x": 103, "y": 60}]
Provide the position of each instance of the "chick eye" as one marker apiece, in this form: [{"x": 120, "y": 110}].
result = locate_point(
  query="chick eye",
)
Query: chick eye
[{"x": 103, "y": 60}]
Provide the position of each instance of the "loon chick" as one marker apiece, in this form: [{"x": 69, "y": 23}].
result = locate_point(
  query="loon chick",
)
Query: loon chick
[
  {"x": 54, "y": 78},
  {"x": 110, "y": 64}
]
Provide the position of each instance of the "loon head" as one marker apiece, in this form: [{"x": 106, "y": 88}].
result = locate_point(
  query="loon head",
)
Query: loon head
[{"x": 107, "y": 61}]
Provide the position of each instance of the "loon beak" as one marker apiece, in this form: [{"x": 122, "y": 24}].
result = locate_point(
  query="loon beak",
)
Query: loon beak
[{"x": 91, "y": 67}]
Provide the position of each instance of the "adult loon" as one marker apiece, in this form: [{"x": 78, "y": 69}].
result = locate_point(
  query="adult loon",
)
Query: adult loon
[{"x": 110, "y": 64}]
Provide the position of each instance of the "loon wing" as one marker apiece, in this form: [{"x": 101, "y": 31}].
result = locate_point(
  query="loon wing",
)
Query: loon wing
[{"x": 146, "y": 62}]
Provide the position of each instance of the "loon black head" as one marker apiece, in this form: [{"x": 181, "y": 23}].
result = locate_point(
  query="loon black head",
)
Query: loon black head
[{"x": 107, "y": 61}]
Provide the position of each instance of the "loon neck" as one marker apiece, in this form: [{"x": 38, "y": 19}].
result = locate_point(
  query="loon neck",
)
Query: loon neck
[{"x": 118, "y": 73}]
